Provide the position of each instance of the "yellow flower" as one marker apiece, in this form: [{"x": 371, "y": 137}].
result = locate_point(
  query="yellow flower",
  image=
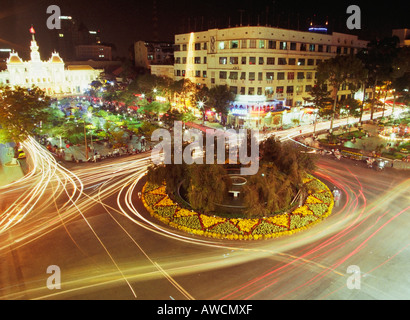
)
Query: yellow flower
[
  {"x": 312, "y": 199},
  {"x": 246, "y": 225},
  {"x": 165, "y": 202},
  {"x": 279, "y": 219},
  {"x": 209, "y": 221},
  {"x": 303, "y": 210},
  {"x": 185, "y": 213}
]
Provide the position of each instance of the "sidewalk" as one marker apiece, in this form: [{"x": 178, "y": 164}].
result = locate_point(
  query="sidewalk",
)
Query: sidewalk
[{"x": 102, "y": 148}]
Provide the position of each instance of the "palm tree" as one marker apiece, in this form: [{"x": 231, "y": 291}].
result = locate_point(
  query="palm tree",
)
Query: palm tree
[
  {"x": 337, "y": 71},
  {"x": 378, "y": 59}
]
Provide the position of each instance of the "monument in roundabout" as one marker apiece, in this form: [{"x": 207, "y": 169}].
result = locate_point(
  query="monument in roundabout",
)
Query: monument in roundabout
[{"x": 215, "y": 200}]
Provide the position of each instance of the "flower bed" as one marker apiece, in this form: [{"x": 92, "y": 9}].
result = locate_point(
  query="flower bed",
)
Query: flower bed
[{"x": 317, "y": 206}]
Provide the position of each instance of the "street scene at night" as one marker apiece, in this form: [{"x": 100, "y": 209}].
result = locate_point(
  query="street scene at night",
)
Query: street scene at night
[{"x": 229, "y": 153}]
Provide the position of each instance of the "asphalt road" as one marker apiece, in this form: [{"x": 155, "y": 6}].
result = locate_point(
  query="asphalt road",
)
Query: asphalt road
[{"x": 90, "y": 225}]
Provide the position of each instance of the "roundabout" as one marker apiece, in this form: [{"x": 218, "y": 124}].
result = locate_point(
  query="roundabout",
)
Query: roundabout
[{"x": 316, "y": 207}]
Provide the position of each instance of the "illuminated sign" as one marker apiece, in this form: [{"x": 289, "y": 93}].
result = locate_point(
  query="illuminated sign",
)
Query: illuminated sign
[{"x": 239, "y": 111}]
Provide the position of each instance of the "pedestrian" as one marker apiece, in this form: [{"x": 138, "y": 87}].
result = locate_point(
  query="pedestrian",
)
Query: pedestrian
[{"x": 336, "y": 196}]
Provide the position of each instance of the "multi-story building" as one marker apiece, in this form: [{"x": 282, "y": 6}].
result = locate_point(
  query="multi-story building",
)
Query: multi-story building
[
  {"x": 267, "y": 68},
  {"x": 93, "y": 52},
  {"x": 147, "y": 53},
  {"x": 51, "y": 75},
  {"x": 403, "y": 35}
]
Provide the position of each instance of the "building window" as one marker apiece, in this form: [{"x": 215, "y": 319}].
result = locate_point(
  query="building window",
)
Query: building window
[
  {"x": 243, "y": 44},
  {"x": 308, "y": 88},
  {"x": 234, "y": 90},
  {"x": 243, "y": 60},
  {"x": 281, "y": 61},
  {"x": 221, "y": 45},
  {"x": 197, "y": 60},
  {"x": 204, "y": 60},
  {"x": 310, "y": 62},
  {"x": 233, "y": 75},
  {"x": 259, "y": 92},
  {"x": 271, "y": 44},
  {"x": 289, "y": 89},
  {"x": 270, "y": 61},
  {"x": 222, "y": 74},
  {"x": 261, "y": 60},
  {"x": 183, "y": 60},
  {"x": 260, "y": 76},
  {"x": 184, "y": 47},
  {"x": 311, "y": 47},
  {"x": 301, "y": 75},
  {"x": 291, "y": 61},
  {"x": 242, "y": 90},
  {"x": 269, "y": 75},
  {"x": 252, "y": 43},
  {"x": 293, "y": 46},
  {"x": 251, "y": 91},
  {"x": 197, "y": 46},
  {"x": 279, "y": 89},
  {"x": 205, "y": 46},
  {"x": 197, "y": 73},
  {"x": 223, "y": 60},
  {"x": 233, "y": 60},
  {"x": 320, "y": 48},
  {"x": 281, "y": 76},
  {"x": 303, "y": 47},
  {"x": 301, "y": 62},
  {"x": 243, "y": 75},
  {"x": 261, "y": 44},
  {"x": 177, "y": 60},
  {"x": 291, "y": 75},
  {"x": 251, "y": 76},
  {"x": 204, "y": 73},
  {"x": 283, "y": 45},
  {"x": 234, "y": 44},
  {"x": 252, "y": 60}
]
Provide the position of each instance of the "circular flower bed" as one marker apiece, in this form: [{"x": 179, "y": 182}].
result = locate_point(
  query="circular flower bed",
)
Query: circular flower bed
[{"x": 317, "y": 206}]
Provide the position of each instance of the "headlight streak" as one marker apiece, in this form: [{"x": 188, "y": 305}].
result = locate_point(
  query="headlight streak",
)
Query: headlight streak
[{"x": 121, "y": 177}]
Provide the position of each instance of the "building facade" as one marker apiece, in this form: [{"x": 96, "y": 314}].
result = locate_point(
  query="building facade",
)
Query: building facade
[
  {"x": 263, "y": 66},
  {"x": 147, "y": 53},
  {"x": 51, "y": 75},
  {"x": 93, "y": 52}
]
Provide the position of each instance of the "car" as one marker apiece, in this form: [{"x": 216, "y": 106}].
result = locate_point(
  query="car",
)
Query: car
[{"x": 21, "y": 154}]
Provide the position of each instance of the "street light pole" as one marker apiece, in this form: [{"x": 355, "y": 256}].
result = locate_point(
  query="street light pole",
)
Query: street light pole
[{"x": 86, "y": 146}]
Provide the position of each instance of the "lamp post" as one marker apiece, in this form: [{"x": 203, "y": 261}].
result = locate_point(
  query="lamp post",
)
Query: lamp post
[{"x": 86, "y": 146}]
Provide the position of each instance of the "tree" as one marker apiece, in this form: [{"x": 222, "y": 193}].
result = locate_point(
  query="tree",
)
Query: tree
[
  {"x": 337, "y": 71},
  {"x": 351, "y": 108},
  {"x": 219, "y": 98},
  {"x": 21, "y": 112},
  {"x": 378, "y": 60},
  {"x": 209, "y": 183}
]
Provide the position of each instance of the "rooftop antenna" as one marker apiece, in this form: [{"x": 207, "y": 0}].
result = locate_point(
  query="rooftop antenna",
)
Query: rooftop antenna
[
  {"x": 241, "y": 12},
  {"x": 155, "y": 20}
]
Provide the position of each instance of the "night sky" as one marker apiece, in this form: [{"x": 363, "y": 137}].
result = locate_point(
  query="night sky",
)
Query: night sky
[{"x": 122, "y": 22}]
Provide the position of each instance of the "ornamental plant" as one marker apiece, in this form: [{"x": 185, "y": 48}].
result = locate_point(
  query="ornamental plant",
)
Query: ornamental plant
[{"x": 318, "y": 206}]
